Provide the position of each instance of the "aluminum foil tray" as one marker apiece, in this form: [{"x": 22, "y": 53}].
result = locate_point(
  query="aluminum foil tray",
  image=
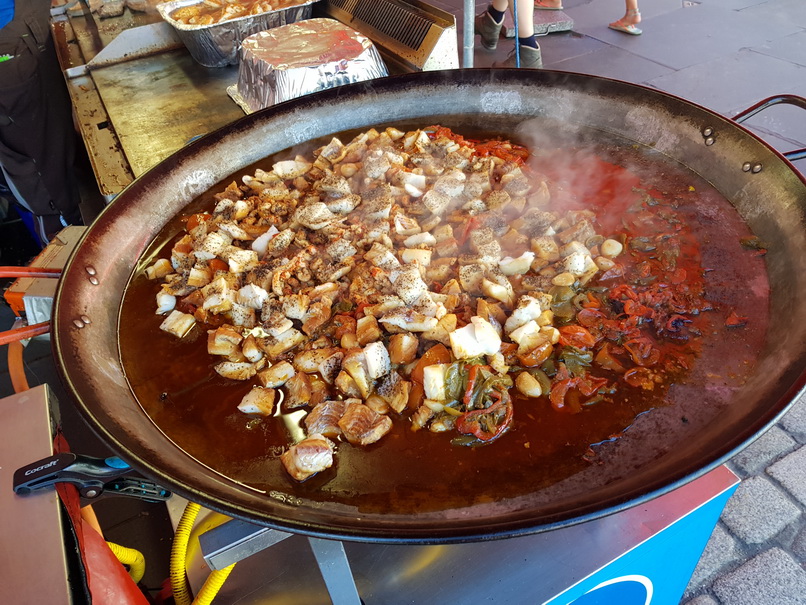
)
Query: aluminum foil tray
[
  {"x": 294, "y": 60},
  {"x": 218, "y": 45}
]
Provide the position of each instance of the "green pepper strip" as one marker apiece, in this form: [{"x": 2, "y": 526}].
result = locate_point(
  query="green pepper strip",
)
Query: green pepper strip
[
  {"x": 474, "y": 385},
  {"x": 455, "y": 381}
]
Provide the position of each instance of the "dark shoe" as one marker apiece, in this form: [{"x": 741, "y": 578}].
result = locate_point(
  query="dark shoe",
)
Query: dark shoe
[
  {"x": 531, "y": 58},
  {"x": 488, "y": 29}
]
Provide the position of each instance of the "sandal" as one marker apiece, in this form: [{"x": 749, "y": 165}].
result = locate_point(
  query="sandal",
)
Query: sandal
[
  {"x": 622, "y": 26},
  {"x": 542, "y": 6}
]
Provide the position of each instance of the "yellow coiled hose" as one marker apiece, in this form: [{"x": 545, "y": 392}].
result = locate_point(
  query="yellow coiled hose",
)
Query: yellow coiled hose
[
  {"x": 130, "y": 557},
  {"x": 212, "y": 585},
  {"x": 179, "y": 584}
]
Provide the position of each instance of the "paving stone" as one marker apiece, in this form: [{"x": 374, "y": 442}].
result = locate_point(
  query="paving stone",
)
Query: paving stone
[
  {"x": 766, "y": 449},
  {"x": 794, "y": 420},
  {"x": 702, "y": 600},
  {"x": 790, "y": 472},
  {"x": 721, "y": 550},
  {"x": 770, "y": 578},
  {"x": 758, "y": 511},
  {"x": 799, "y": 545}
]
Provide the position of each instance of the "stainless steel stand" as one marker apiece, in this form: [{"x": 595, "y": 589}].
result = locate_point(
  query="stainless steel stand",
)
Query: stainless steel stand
[{"x": 275, "y": 566}]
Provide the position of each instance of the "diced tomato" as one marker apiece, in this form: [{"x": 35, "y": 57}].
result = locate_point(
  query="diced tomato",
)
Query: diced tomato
[
  {"x": 592, "y": 302},
  {"x": 439, "y": 353},
  {"x": 344, "y": 324},
  {"x": 735, "y": 321},
  {"x": 641, "y": 378},
  {"x": 509, "y": 350},
  {"x": 679, "y": 276},
  {"x": 559, "y": 392},
  {"x": 562, "y": 372},
  {"x": 195, "y": 299},
  {"x": 537, "y": 356},
  {"x": 502, "y": 149},
  {"x": 588, "y": 385},
  {"x": 194, "y": 220},
  {"x": 632, "y": 307},
  {"x": 416, "y": 395},
  {"x": 576, "y": 336},
  {"x": 623, "y": 292},
  {"x": 590, "y": 318},
  {"x": 216, "y": 264},
  {"x": 565, "y": 393},
  {"x": 604, "y": 359},
  {"x": 359, "y": 310},
  {"x": 642, "y": 351},
  {"x": 435, "y": 132},
  {"x": 182, "y": 248}
]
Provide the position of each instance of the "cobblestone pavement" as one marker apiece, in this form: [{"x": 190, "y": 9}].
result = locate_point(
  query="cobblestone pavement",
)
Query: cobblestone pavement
[{"x": 757, "y": 553}]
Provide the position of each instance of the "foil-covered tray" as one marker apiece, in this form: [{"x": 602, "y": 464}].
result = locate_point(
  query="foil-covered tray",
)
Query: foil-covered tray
[
  {"x": 301, "y": 58},
  {"x": 218, "y": 45}
]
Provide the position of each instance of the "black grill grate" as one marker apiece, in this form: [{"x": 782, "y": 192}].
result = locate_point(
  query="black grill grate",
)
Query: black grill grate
[{"x": 395, "y": 20}]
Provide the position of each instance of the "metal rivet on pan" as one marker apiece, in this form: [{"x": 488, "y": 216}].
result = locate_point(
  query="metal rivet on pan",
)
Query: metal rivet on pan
[
  {"x": 756, "y": 168},
  {"x": 707, "y": 131},
  {"x": 78, "y": 323},
  {"x": 94, "y": 280},
  {"x": 85, "y": 319},
  {"x": 710, "y": 141},
  {"x": 90, "y": 270},
  {"x": 746, "y": 167}
]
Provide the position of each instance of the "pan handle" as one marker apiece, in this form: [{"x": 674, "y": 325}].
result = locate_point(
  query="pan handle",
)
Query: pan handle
[
  {"x": 797, "y": 154},
  {"x": 29, "y": 272}
]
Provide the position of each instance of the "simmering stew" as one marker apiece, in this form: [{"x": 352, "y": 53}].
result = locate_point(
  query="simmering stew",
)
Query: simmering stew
[{"x": 427, "y": 319}]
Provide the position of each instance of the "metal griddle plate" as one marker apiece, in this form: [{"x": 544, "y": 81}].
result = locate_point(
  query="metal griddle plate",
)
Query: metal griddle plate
[
  {"x": 159, "y": 103},
  {"x": 93, "y": 34}
]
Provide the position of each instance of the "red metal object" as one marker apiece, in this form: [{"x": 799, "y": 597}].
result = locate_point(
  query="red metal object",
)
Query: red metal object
[
  {"x": 12, "y": 337},
  {"x": 16, "y": 334},
  {"x": 29, "y": 272}
]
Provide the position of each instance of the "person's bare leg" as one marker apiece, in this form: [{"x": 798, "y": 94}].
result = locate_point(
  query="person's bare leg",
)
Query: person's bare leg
[
  {"x": 632, "y": 15},
  {"x": 500, "y": 5},
  {"x": 631, "y": 18},
  {"x": 526, "y": 19}
]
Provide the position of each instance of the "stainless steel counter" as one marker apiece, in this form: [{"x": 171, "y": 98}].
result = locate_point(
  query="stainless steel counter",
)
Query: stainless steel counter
[{"x": 137, "y": 94}]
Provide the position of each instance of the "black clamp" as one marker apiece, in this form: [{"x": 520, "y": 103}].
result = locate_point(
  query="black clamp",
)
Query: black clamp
[{"x": 94, "y": 477}]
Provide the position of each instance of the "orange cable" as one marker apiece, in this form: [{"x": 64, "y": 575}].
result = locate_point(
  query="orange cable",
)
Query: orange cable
[{"x": 16, "y": 368}]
